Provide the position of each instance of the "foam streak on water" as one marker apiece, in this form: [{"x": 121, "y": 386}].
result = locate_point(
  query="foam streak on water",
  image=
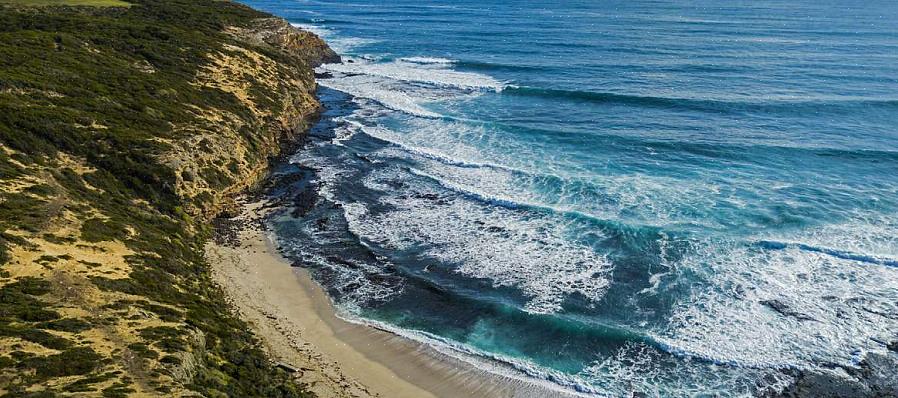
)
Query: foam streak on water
[
  {"x": 514, "y": 249},
  {"x": 673, "y": 199}
]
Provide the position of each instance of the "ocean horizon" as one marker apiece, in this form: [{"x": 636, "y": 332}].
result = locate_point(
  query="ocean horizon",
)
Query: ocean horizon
[{"x": 612, "y": 198}]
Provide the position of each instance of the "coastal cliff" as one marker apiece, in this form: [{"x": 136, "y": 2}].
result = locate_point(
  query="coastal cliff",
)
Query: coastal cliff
[{"x": 124, "y": 129}]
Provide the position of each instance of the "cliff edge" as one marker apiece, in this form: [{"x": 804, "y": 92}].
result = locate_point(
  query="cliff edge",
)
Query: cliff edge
[{"x": 124, "y": 128}]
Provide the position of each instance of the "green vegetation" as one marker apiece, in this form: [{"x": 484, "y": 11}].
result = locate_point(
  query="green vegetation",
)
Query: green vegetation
[
  {"x": 76, "y": 361},
  {"x": 143, "y": 351},
  {"x": 85, "y": 384},
  {"x": 47, "y": 3},
  {"x": 108, "y": 86},
  {"x": 96, "y": 230},
  {"x": 71, "y": 325}
]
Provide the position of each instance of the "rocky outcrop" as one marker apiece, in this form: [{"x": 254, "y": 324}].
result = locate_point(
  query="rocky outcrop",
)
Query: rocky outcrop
[
  {"x": 874, "y": 376},
  {"x": 121, "y": 134},
  {"x": 268, "y": 69},
  {"x": 279, "y": 34}
]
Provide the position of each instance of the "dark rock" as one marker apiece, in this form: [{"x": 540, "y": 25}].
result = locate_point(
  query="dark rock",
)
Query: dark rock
[
  {"x": 280, "y": 35},
  {"x": 226, "y": 231},
  {"x": 305, "y": 201},
  {"x": 428, "y": 196},
  {"x": 827, "y": 383},
  {"x": 784, "y": 310},
  {"x": 321, "y": 224},
  {"x": 893, "y": 346},
  {"x": 286, "y": 367},
  {"x": 875, "y": 376}
]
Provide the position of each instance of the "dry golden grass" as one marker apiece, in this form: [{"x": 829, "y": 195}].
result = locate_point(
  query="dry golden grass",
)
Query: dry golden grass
[{"x": 50, "y": 3}]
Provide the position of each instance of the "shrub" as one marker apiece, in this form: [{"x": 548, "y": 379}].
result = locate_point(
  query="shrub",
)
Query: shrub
[
  {"x": 97, "y": 230},
  {"x": 69, "y": 68},
  {"x": 72, "y": 362}
]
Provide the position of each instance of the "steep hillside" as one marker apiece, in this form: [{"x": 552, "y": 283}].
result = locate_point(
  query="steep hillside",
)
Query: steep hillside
[{"x": 123, "y": 130}]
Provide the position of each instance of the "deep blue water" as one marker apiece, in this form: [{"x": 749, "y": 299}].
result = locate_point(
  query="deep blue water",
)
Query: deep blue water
[{"x": 672, "y": 198}]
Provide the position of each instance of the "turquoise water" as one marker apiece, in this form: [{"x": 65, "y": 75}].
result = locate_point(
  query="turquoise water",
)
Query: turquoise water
[{"x": 672, "y": 198}]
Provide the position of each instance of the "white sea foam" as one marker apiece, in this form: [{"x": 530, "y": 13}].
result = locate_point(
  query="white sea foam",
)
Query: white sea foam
[
  {"x": 849, "y": 305},
  {"x": 428, "y": 60},
  {"x": 317, "y": 30},
  {"x": 353, "y": 283},
  {"x": 637, "y": 367},
  {"x": 506, "y": 247},
  {"x": 501, "y": 365},
  {"x": 414, "y": 73},
  {"x": 469, "y": 159},
  {"x": 376, "y": 89},
  {"x": 752, "y": 306},
  {"x": 338, "y": 43},
  {"x": 404, "y": 86},
  {"x": 509, "y": 248},
  {"x": 349, "y": 126},
  {"x": 783, "y": 308},
  {"x": 414, "y": 143},
  {"x": 863, "y": 233},
  {"x": 667, "y": 267},
  {"x": 327, "y": 171}
]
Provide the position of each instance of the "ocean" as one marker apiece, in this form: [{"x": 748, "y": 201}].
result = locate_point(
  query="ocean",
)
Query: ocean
[{"x": 671, "y": 198}]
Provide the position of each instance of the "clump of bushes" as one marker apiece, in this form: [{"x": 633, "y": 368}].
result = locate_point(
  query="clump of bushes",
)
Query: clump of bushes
[
  {"x": 64, "y": 70},
  {"x": 71, "y": 362},
  {"x": 97, "y": 230}
]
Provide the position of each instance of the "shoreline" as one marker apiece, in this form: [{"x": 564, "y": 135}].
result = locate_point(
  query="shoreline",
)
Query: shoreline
[{"x": 298, "y": 326}]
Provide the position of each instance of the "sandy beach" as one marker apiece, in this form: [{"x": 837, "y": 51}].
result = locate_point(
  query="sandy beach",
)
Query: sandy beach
[{"x": 298, "y": 327}]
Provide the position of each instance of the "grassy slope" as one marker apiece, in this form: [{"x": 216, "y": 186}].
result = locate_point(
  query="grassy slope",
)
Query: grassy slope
[
  {"x": 103, "y": 287},
  {"x": 44, "y": 3}
]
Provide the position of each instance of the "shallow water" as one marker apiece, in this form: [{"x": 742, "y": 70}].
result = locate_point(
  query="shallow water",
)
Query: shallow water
[{"x": 672, "y": 198}]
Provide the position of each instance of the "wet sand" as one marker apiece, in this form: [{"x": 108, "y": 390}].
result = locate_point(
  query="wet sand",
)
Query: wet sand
[{"x": 298, "y": 326}]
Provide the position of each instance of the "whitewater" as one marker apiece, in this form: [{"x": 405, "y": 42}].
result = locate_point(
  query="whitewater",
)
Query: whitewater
[{"x": 588, "y": 194}]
